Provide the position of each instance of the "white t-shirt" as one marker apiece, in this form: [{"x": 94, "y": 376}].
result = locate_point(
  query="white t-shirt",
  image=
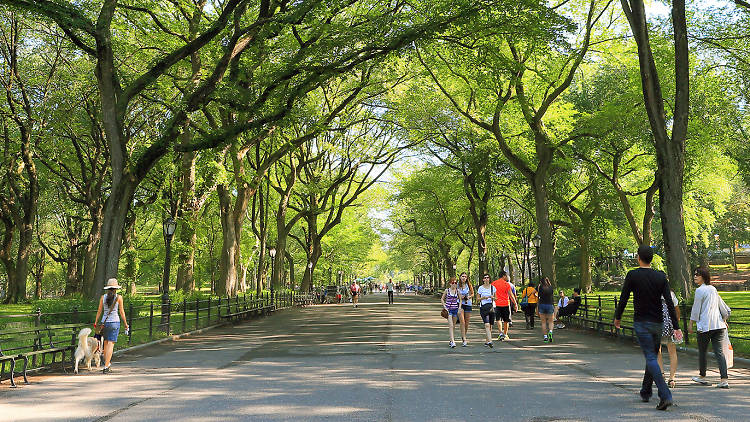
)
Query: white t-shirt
[
  {"x": 389, "y": 286},
  {"x": 563, "y": 302},
  {"x": 485, "y": 291}
]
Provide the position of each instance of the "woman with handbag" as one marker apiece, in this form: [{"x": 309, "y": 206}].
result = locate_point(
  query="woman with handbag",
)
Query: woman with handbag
[
  {"x": 709, "y": 314},
  {"x": 112, "y": 309},
  {"x": 452, "y": 304},
  {"x": 529, "y": 299},
  {"x": 487, "y": 295}
]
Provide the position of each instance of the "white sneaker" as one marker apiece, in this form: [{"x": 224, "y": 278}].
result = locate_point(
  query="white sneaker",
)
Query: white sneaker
[
  {"x": 452, "y": 344},
  {"x": 700, "y": 380},
  {"x": 723, "y": 384},
  {"x": 464, "y": 344}
]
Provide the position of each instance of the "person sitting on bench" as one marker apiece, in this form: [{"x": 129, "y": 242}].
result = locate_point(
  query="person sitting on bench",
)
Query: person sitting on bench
[{"x": 571, "y": 308}]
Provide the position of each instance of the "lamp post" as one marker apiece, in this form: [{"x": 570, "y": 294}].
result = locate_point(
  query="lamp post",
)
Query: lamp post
[
  {"x": 168, "y": 227},
  {"x": 537, "y": 242},
  {"x": 432, "y": 281},
  {"x": 309, "y": 268},
  {"x": 272, "y": 252}
]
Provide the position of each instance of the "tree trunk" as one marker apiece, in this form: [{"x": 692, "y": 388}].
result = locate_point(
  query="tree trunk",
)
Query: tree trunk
[
  {"x": 290, "y": 259},
  {"x": 116, "y": 208},
  {"x": 585, "y": 262},
  {"x": 90, "y": 252},
  {"x": 544, "y": 226},
  {"x": 188, "y": 240}
]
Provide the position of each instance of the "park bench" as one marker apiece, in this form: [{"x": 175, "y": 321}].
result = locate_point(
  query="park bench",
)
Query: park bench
[
  {"x": 42, "y": 341},
  {"x": 257, "y": 306}
]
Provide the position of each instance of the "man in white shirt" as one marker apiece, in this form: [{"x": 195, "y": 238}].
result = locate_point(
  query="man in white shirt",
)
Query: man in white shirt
[{"x": 389, "y": 288}]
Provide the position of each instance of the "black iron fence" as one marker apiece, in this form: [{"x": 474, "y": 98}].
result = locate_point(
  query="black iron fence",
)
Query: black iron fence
[
  {"x": 27, "y": 334},
  {"x": 598, "y": 312}
]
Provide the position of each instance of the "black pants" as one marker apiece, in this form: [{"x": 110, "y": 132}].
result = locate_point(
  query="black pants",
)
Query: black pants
[
  {"x": 716, "y": 337},
  {"x": 530, "y": 311},
  {"x": 390, "y": 297}
]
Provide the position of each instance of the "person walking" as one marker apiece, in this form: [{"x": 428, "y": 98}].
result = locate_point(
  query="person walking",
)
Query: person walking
[
  {"x": 710, "y": 315},
  {"x": 452, "y": 304},
  {"x": 546, "y": 308},
  {"x": 667, "y": 340},
  {"x": 529, "y": 299},
  {"x": 355, "y": 293},
  {"x": 111, "y": 311},
  {"x": 389, "y": 288},
  {"x": 487, "y": 294},
  {"x": 505, "y": 304},
  {"x": 466, "y": 292},
  {"x": 649, "y": 287}
]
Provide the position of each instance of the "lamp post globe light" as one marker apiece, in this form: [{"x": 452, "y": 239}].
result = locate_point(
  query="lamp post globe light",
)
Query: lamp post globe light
[
  {"x": 538, "y": 242},
  {"x": 168, "y": 228},
  {"x": 272, "y": 253}
]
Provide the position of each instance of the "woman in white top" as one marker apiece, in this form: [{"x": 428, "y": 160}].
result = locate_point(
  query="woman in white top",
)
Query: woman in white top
[
  {"x": 111, "y": 311},
  {"x": 709, "y": 314},
  {"x": 466, "y": 290},
  {"x": 667, "y": 339},
  {"x": 487, "y": 295}
]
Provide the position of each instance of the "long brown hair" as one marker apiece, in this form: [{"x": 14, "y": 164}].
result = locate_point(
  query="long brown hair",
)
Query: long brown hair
[{"x": 110, "y": 299}]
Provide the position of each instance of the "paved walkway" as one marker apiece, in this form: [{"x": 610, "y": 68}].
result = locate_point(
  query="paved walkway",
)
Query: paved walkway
[{"x": 374, "y": 363}]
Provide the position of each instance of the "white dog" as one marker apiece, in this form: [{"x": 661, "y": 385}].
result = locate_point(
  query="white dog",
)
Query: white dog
[{"x": 88, "y": 348}]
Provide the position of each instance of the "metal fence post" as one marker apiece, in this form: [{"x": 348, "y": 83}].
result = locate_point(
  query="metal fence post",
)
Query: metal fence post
[
  {"x": 151, "y": 321},
  {"x": 685, "y": 318},
  {"x": 184, "y": 314},
  {"x": 169, "y": 316},
  {"x": 599, "y": 314},
  {"x": 229, "y": 306},
  {"x": 197, "y": 312},
  {"x": 130, "y": 318},
  {"x": 209, "y": 310},
  {"x": 75, "y": 315}
]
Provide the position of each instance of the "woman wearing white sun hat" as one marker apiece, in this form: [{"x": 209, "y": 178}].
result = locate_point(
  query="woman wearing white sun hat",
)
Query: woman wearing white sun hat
[{"x": 111, "y": 311}]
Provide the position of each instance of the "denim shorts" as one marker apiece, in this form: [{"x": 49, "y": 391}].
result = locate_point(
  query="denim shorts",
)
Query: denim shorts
[
  {"x": 545, "y": 308},
  {"x": 111, "y": 331},
  {"x": 453, "y": 312},
  {"x": 466, "y": 308}
]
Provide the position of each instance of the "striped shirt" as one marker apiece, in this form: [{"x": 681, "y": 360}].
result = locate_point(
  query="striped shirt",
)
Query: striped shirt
[{"x": 451, "y": 301}]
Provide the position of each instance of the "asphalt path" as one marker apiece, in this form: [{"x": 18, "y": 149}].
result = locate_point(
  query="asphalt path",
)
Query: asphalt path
[{"x": 378, "y": 362}]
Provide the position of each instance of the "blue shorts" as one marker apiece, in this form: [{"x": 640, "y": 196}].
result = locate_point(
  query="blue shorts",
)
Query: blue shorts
[
  {"x": 546, "y": 309},
  {"x": 466, "y": 308},
  {"x": 111, "y": 331},
  {"x": 453, "y": 312}
]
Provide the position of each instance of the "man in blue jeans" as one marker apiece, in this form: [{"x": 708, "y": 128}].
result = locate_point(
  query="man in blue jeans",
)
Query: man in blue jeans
[{"x": 648, "y": 287}]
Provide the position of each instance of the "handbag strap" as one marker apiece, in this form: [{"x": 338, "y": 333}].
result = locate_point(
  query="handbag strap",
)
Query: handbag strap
[{"x": 106, "y": 317}]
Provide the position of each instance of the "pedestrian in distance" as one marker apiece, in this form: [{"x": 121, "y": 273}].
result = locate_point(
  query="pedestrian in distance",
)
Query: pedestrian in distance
[
  {"x": 355, "y": 293},
  {"x": 487, "y": 294},
  {"x": 546, "y": 308},
  {"x": 111, "y": 311},
  {"x": 505, "y": 304},
  {"x": 466, "y": 291},
  {"x": 710, "y": 315},
  {"x": 389, "y": 288},
  {"x": 649, "y": 287},
  {"x": 668, "y": 341},
  {"x": 452, "y": 304},
  {"x": 529, "y": 300}
]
